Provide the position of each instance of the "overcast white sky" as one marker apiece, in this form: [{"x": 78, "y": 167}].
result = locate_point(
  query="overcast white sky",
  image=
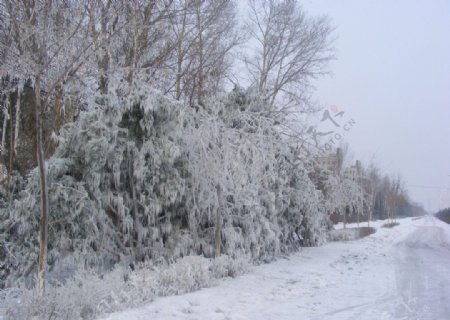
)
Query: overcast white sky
[{"x": 392, "y": 76}]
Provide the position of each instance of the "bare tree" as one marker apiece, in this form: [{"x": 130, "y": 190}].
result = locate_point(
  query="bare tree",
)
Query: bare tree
[
  {"x": 291, "y": 48},
  {"x": 371, "y": 184},
  {"x": 132, "y": 36},
  {"x": 204, "y": 32},
  {"x": 396, "y": 196},
  {"x": 183, "y": 31}
]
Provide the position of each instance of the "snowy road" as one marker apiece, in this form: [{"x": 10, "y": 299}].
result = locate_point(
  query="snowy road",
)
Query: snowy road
[
  {"x": 399, "y": 273},
  {"x": 422, "y": 272}
]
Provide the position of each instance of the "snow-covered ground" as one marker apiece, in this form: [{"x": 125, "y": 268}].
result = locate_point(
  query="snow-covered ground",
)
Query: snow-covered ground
[{"x": 398, "y": 273}]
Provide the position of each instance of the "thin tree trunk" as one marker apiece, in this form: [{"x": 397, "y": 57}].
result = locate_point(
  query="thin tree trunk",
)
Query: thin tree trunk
[
  {"x": 180, "y": 58},
  {"x": 263, "y": 77},
  {"x": 178, "y": 75},
  {"x": 200, "y": 74},
  {"x": 357, "y": 217},
  {"x": 42, "y": 264},
  {"x": 5, "y": 123},
  {"x": 103, "y": 64},
  {"x": 218, "y": 241},
  {"x": 11, "y": 148},
  {"x": 136, "y": 225},
  {"x": 16, "y": 129},
  {"x": 369, "y": 213},
  {"x": 345, "y": 218}
]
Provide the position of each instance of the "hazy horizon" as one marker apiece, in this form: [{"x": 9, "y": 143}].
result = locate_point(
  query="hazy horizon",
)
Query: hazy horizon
[{"x": 392, "y": 76}]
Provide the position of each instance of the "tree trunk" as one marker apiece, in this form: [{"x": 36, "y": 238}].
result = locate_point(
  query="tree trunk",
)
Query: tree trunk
[
  {"x": 136, "y": 225},
  {"x": 180, "y": 58},
  {"x": 103, "y": 63},
  {"x": 218, "y": 241},
  {"x": 200, "y": 75},
  {"x": 357, "y": 217},
  {"x": 5, "y": 124},
  {"x": 178, "y": 75},
  {"x": 11, "y": 148},
  {"x": 16, "y": 129},
  {"x": 345, "y": 218},
  {"x": 42, "y": 265}
]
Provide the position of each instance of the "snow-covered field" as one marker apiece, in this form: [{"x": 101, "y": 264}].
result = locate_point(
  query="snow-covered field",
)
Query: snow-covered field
[{"x": 398, "y": 273}]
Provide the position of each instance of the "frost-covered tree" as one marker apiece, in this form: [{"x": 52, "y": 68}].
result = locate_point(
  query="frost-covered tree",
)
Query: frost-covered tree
[
  {"x": 62, "y": 49},
  {"x": 109, "y": 185},
  {"x": 344, "y": 196},
  {"x": 204, "y": 33},
  {"x": 45, "y": 43},
  {"x": 285, "y": 193},
  {"x": 134, "y": 39},
  {"x": 232, "y": 149},
  {"x": 142, "y": 177},
  {"x": 291, "y": 48}
]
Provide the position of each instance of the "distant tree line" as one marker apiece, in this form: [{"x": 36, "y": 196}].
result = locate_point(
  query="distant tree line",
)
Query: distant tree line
[
  {"x": 366, "y": 196},
  {"x": 444, "y": 215}
]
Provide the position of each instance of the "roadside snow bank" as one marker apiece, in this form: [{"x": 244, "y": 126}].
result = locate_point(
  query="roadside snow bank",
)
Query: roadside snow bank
[
  {"x": 350, "y": 233},
  {"x": 88, "y": 295}
]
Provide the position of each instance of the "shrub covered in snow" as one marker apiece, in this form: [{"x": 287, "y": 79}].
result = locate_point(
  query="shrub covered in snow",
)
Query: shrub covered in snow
[
  {"x": 140, "y": 177},
  {"x": 88, "y": 295}
]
